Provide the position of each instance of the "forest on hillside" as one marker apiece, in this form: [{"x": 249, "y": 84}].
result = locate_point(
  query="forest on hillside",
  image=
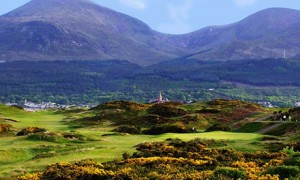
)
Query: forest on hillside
[{"x": 93, "y": 82}]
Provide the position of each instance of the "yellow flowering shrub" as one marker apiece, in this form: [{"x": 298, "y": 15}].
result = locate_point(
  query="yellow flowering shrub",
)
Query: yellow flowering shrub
[
  {"x": 176, "y": 160},
  {"x": 35, "y": 176}
]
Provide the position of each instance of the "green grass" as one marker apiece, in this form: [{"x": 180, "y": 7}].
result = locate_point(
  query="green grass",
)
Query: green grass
[
  {"x": 216, "y": 135},
  {"x": 251, "y": 127},
  {"x": 284, "y": 128},
  {"x": 51, "y": 120}
]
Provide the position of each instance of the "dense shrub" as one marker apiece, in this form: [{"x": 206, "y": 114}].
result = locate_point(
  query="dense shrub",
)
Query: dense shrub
[
  {"x": 5, "y": 128},
  {"x": 218, "y": 127},
  {"x": 166, "y": 110},
  {"x": 74, "y": 136},
  {"x": 30, "y": 130},
  {"x": 36, "y": 176},
  {"x": 230, "y": 173},
  {"x": 174, "y": 103},
  {"x": 240, "y": 113},
  {"x": 81, "y": 171},
  {"x": 152, "y": 119},
  {"x": 285, "y": 128},
  {"x": 115, "y": 134},
  {"x": 223, "y": 102},
  {"x": 284, "y": 171},
  {"x": 270, "y": 138},
  {"x": 293, "y": 161},
  {"x": 209, "y": 110},
  {"x": 47, "y": 136},
  {"x": 126, "y": 105},
  {"x": 251, "y": 127},
  {"x": 295, "y": 146},
  {"x": 173, "y": 128},
  {"x": 128, "y": 129},
  {"x": 56, "y": 137},
  {"x": 18, "y": 107}
]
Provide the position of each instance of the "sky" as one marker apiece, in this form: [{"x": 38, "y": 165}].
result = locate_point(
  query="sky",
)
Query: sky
[{"x": 181, "y": 16}]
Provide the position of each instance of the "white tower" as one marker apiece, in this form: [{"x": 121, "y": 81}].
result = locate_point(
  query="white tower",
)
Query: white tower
[
  {"x": 284, "y": 54},
  {"x": 160, "y": 98}
]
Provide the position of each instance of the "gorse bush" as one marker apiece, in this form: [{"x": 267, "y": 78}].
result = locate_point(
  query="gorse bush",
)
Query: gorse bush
[
  {"x": 167, "y": 110},
  {"x": 47, "y": 136},
  {"x": 224, "y": 102},
  {"x": 230, "y": 173},
  {"x": 289, "y": 150},
  {"x": 218, "y": 127},
  {"x": 209, "y": 111},
  {"x": 127, "y": 105},
  {"x": 128, "y": 129},
  {"x": 293, "y": 160},
  {"x": 173, "y": 128},
  {"x": 198, "y": 115},
  {"x": 30, "y": 130},
  {"x": 284, "y": 171},
  {"x": 4, "y": 128},
  {"x": 57, "y": 137},
  {"x": 176, "y": 159},
  {"x": 296, "y": 146}
]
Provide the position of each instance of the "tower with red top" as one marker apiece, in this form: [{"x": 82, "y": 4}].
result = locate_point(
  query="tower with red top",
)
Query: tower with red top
[{"x": 160, "y": 98}]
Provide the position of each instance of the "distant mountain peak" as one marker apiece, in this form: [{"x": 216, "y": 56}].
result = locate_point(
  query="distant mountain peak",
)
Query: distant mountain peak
[
  {"x": 265, "y": 34},
  {"x": 50, "y": 7},
  {"x": 78, "y": 30},
  {"x": 84, "y": 30}
]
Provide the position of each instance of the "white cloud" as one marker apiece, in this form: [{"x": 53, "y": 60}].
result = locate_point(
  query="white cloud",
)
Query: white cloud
[
  {"x": 135, "y": 4},
  {"x": 178, "y": 15},
  {"x": 244, "y": 2}
]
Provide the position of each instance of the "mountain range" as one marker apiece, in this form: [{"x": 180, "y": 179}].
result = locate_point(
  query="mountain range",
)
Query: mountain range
[{"x": 82, "y": 30}]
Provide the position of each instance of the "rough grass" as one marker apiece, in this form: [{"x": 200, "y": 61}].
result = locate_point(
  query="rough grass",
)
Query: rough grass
[
  {"x": 251, "y": 127},
  {"x": 285, "y": 129}
]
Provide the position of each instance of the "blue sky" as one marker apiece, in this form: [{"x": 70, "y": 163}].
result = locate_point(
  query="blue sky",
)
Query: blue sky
[{"x": 181, "y": 16}]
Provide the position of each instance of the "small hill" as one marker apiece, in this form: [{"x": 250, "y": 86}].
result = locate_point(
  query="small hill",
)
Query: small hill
[
  {"x": 280, "y": 123},
  {"x": 295, "y": 113},
  {"x": 167, "y": 110},
  {"x": 10, "y": 110},
  {"x": 229, "y": 111},
  {"x": 126, "y": 105},
  {"x": 288, "y": 123},
  {"x": 172, "y": 115}
]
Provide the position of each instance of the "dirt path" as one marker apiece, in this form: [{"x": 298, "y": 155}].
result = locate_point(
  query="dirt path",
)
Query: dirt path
[{"x": 263, "y": 118}]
